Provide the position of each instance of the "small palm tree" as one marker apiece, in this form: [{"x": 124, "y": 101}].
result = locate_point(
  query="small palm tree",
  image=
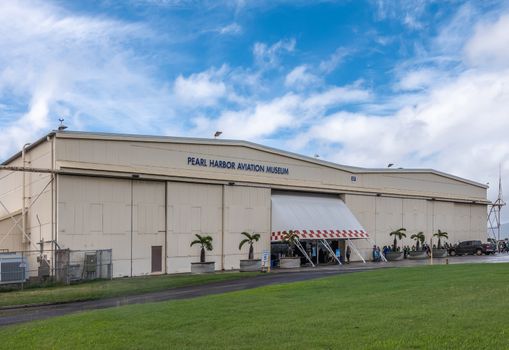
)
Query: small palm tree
[
  {"x": 441, "y": 234},
  {"x": 250, "y": 238},
  {"x": 205, "y": 242},
  {"x": 290, "y": 238},
  {"x": 419, "y": 239},
  {"x": 398, "y": 234}
]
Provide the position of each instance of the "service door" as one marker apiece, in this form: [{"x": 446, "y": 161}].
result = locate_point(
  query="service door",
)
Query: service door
[{"x": 157, "y": 252}]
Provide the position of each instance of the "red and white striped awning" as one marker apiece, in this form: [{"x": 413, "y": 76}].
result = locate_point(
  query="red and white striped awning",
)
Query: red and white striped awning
[
  {"x": 306, "y": 215},
  {"x": 319, "y": 234}
]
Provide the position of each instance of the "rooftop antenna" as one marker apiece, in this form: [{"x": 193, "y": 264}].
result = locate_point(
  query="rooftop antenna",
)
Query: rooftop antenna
[
  {"x": 494, "y": 221},
  {"x": 61, "y": 127}
]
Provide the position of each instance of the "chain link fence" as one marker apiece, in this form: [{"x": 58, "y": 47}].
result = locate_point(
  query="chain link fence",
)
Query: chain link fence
[{"x": 63, "y": 266}]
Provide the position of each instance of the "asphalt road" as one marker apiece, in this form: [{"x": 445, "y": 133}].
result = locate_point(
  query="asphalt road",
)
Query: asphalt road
[{"x": 20, "y": 315}]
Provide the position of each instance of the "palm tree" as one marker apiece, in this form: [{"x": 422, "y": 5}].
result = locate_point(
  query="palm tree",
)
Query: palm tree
[
  {"x": 250, "y": 238},
  {"x": 398, "y": 234},
  {"x": 205, "y": 242},
  {"x": 419, "y": 238},
  {"x": 441, "y": 234},
  {"x": 290, "y": 238}
]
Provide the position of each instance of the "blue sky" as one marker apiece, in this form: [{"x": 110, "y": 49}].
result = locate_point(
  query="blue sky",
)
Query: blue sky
[{"x": 416, "y": 83}]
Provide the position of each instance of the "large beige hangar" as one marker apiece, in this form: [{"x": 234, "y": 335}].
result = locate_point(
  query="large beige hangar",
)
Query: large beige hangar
[{"x": 144, "y": 197}]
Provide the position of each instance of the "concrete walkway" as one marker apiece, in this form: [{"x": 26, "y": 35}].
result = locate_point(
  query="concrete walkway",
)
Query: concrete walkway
[{"x": 20, "y": 315}]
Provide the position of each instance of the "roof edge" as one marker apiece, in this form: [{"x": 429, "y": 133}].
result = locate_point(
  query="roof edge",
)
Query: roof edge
[{"x": 29, "y": 147}]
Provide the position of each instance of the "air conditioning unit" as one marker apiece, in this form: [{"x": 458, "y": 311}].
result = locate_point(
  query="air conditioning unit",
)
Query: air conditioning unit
[{"x": 13, "y": 268}]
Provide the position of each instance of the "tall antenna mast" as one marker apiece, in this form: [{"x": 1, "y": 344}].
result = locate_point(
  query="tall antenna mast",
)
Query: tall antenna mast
[{"x": 494, "y": 217}]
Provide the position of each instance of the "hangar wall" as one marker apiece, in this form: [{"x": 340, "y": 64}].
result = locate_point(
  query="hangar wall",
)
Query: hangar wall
[
  {"x": 125, "y": 215},
  {"x": 13, "y": 239},
  {"x": 129, "y": 217},
  {"x": 382, "y": 215},
  {"x": 193, "y": 209},
  {"x": 245, "y": 209}
]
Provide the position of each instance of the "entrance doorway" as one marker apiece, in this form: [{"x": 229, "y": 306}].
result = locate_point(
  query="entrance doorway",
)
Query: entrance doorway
[{"x": 157, "y": 253}]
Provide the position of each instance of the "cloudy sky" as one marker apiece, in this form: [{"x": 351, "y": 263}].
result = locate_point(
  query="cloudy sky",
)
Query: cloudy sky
[{"x": 366, "y": 83}]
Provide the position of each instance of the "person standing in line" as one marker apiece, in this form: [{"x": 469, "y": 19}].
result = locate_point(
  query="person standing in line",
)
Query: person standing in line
[{"x": 348, "y": 252}]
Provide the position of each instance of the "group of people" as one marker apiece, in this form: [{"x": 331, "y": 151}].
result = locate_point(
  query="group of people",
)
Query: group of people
[
  {"x": 315, "y": 250},
  {"x": 503, "y": 246}
]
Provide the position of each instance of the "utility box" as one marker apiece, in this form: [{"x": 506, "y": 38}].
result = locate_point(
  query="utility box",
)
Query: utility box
[
  {"x": 91, "y": 263},
  {"x": 13, "y": 268},
  {"x": 44, "y": 267}
]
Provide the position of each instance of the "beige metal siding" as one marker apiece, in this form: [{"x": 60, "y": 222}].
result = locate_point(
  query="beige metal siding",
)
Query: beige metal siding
[
  {"x": 415, "y": 183},
  {"x": 389, "y": 217},
  {"x": 246, "y": 209},
  {"x": 37, "y": 192},
  {"x": 171, "y": 159},
  {"x": 10, "y": 234},
  {"x": 478, "y": 220},
  {"x": 415, "y": 213},
  {"x": 193, "y": 209},
  {"x": 95, "y": 213},
  {"x": 445, "y": 218},
  {"x": 148, "y": 223},
  {"x": 363, "y": 207}
]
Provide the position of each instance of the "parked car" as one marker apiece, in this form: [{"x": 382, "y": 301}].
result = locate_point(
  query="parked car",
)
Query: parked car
[{"x": 472, "y": 247}]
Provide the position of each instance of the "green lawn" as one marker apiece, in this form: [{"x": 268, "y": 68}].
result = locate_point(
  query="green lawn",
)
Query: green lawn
[
  {"x": 111, "y": 288},
  {"x": 428, "y": 307}
]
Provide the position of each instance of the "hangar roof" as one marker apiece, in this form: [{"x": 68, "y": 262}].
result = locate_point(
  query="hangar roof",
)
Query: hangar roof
[{"x": 227, "y": 142}]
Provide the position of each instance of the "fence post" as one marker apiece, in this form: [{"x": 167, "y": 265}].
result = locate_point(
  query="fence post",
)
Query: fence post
[{"x": 24, "y": 270}]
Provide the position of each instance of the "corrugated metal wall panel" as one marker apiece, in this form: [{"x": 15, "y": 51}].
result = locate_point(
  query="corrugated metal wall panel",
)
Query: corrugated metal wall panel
[
  {"x": 95, "y": 213},
  {"x": 192, "y": 209},
  {"x": 246, "y": 209},
  {"x": 148, "y": 223}
]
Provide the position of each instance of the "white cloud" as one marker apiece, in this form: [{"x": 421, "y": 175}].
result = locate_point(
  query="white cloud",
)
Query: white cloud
[
  {"x": 335, "y": 96},
  {"x": 269, "y": 55},
  {"x": 263, "y": 118},
  {"x": 202, "y": 89},
  {"x": 232, "y": 29},
  {"x": 419, "y": 79},
  {"x": 299, "y": 78},
  {"x": 408, "y": 12},
  {"x": 330, "y": 64},
  {"x": 489, "y": 47}
]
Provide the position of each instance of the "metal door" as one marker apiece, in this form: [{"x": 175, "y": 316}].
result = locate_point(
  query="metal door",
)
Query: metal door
[{"x": 157, "y": 251}]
